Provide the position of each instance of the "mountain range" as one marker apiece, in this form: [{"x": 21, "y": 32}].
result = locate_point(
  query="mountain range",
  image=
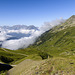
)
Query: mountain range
[
  {"x": 16, "y": 32},
  {"x": 17, "y": 27}
]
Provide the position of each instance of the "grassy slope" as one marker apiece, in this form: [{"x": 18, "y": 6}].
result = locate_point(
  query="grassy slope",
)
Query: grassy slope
[
  {"x": 52, "y": 66},
  {"x": 58, "y": 43},
  {"x": 20, "y": 55},
  {"x": 11, "y": 55}
]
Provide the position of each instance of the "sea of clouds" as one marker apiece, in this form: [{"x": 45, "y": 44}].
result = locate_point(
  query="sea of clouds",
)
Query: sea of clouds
[{"x": 22, "y": 38}]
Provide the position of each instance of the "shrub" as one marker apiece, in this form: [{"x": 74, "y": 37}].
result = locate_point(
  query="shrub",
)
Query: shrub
[
  {"x": 6, "y": 59},
  {"x": 43, "y": 55}
]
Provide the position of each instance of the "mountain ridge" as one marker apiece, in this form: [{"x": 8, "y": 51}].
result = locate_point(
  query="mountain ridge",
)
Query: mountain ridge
[
  {"x": 17, "y": 27},
  {"x": 57, "y": 39},
  {"x": 68, "y": 23}
]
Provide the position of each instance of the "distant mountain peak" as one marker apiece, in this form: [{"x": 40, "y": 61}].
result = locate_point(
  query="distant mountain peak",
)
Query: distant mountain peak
[
  {"x": 71, "y": 20},
  {"x": 68, "y": 23},
  {"x": 17, "y": 27},
  {"x": 73, "y": 16}
]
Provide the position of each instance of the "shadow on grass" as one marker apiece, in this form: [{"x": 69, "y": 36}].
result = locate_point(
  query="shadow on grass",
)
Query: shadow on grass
[{"x": 5, "y": 67}]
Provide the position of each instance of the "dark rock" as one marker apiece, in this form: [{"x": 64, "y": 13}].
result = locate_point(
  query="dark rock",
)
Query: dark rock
[{"x": 71, "y": 63}]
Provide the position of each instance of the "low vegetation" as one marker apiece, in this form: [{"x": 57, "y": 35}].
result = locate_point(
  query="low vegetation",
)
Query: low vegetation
[
  {"x": 9, "y": 57},
  {"x": 51, "y": 66},
  {"x": 61, "y": 43},
  {"x": 53, "y": 53},
  {"x": 6, "y": 59}
]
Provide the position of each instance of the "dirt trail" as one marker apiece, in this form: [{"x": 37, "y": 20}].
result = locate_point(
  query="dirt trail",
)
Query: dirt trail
[
  {"x": 24, "y": 68},
  {"x": 13, "y": 52}
]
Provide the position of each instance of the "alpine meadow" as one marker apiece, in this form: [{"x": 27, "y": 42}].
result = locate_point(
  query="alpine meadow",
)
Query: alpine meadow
[
  {"x": 52, "y": 53},
  {"x": 37, "y": 37}
]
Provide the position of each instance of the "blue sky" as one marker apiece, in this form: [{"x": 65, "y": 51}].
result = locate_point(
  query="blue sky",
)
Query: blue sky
[{"x": 34, "y": 12}]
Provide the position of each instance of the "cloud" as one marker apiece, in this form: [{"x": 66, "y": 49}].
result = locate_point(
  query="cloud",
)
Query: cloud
[
  {"x": 3, "y": 35},
  {"x": 25, "y": 31},
  {"x": 22, "y": 42},
  {"x": 25, "y": 41},
  {"x": 49, "y": 25},
  {"x": 16, "y": 44}
]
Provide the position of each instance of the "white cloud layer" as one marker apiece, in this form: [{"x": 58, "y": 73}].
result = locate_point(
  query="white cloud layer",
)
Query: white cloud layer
[
  {"x": 3, "y": 35},
  {"x": 27, "y": 36}
]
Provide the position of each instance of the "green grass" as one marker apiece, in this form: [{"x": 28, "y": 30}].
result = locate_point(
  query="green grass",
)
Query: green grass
[
  {"x": 10, "y": 55},
  {"x": 60, "y": 45},
  {"x": 33, "y": 57},
  {"x": 51, "y": 66},
  {"x": 19, "y": 55},
  {"x": 3, "y": 73},
  {"x": 56, "y": 44}
]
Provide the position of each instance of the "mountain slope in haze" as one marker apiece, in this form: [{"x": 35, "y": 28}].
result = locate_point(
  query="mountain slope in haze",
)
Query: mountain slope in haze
[{"x": 17, "y": 27}]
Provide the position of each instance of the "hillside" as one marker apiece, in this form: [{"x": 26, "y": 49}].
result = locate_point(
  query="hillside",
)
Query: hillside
[
  {"x": 52, "y": 66},
  {"x": 68, "y": 23},
  {"x": 58, "y": 41},
  {"x": 9, "y": 57},
  {"x": 16, "y": 56},
  {"x": 59, "y": 44}
]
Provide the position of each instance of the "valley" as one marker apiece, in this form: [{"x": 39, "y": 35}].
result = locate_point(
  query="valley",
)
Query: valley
[{"x": 53, "y": 53}]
